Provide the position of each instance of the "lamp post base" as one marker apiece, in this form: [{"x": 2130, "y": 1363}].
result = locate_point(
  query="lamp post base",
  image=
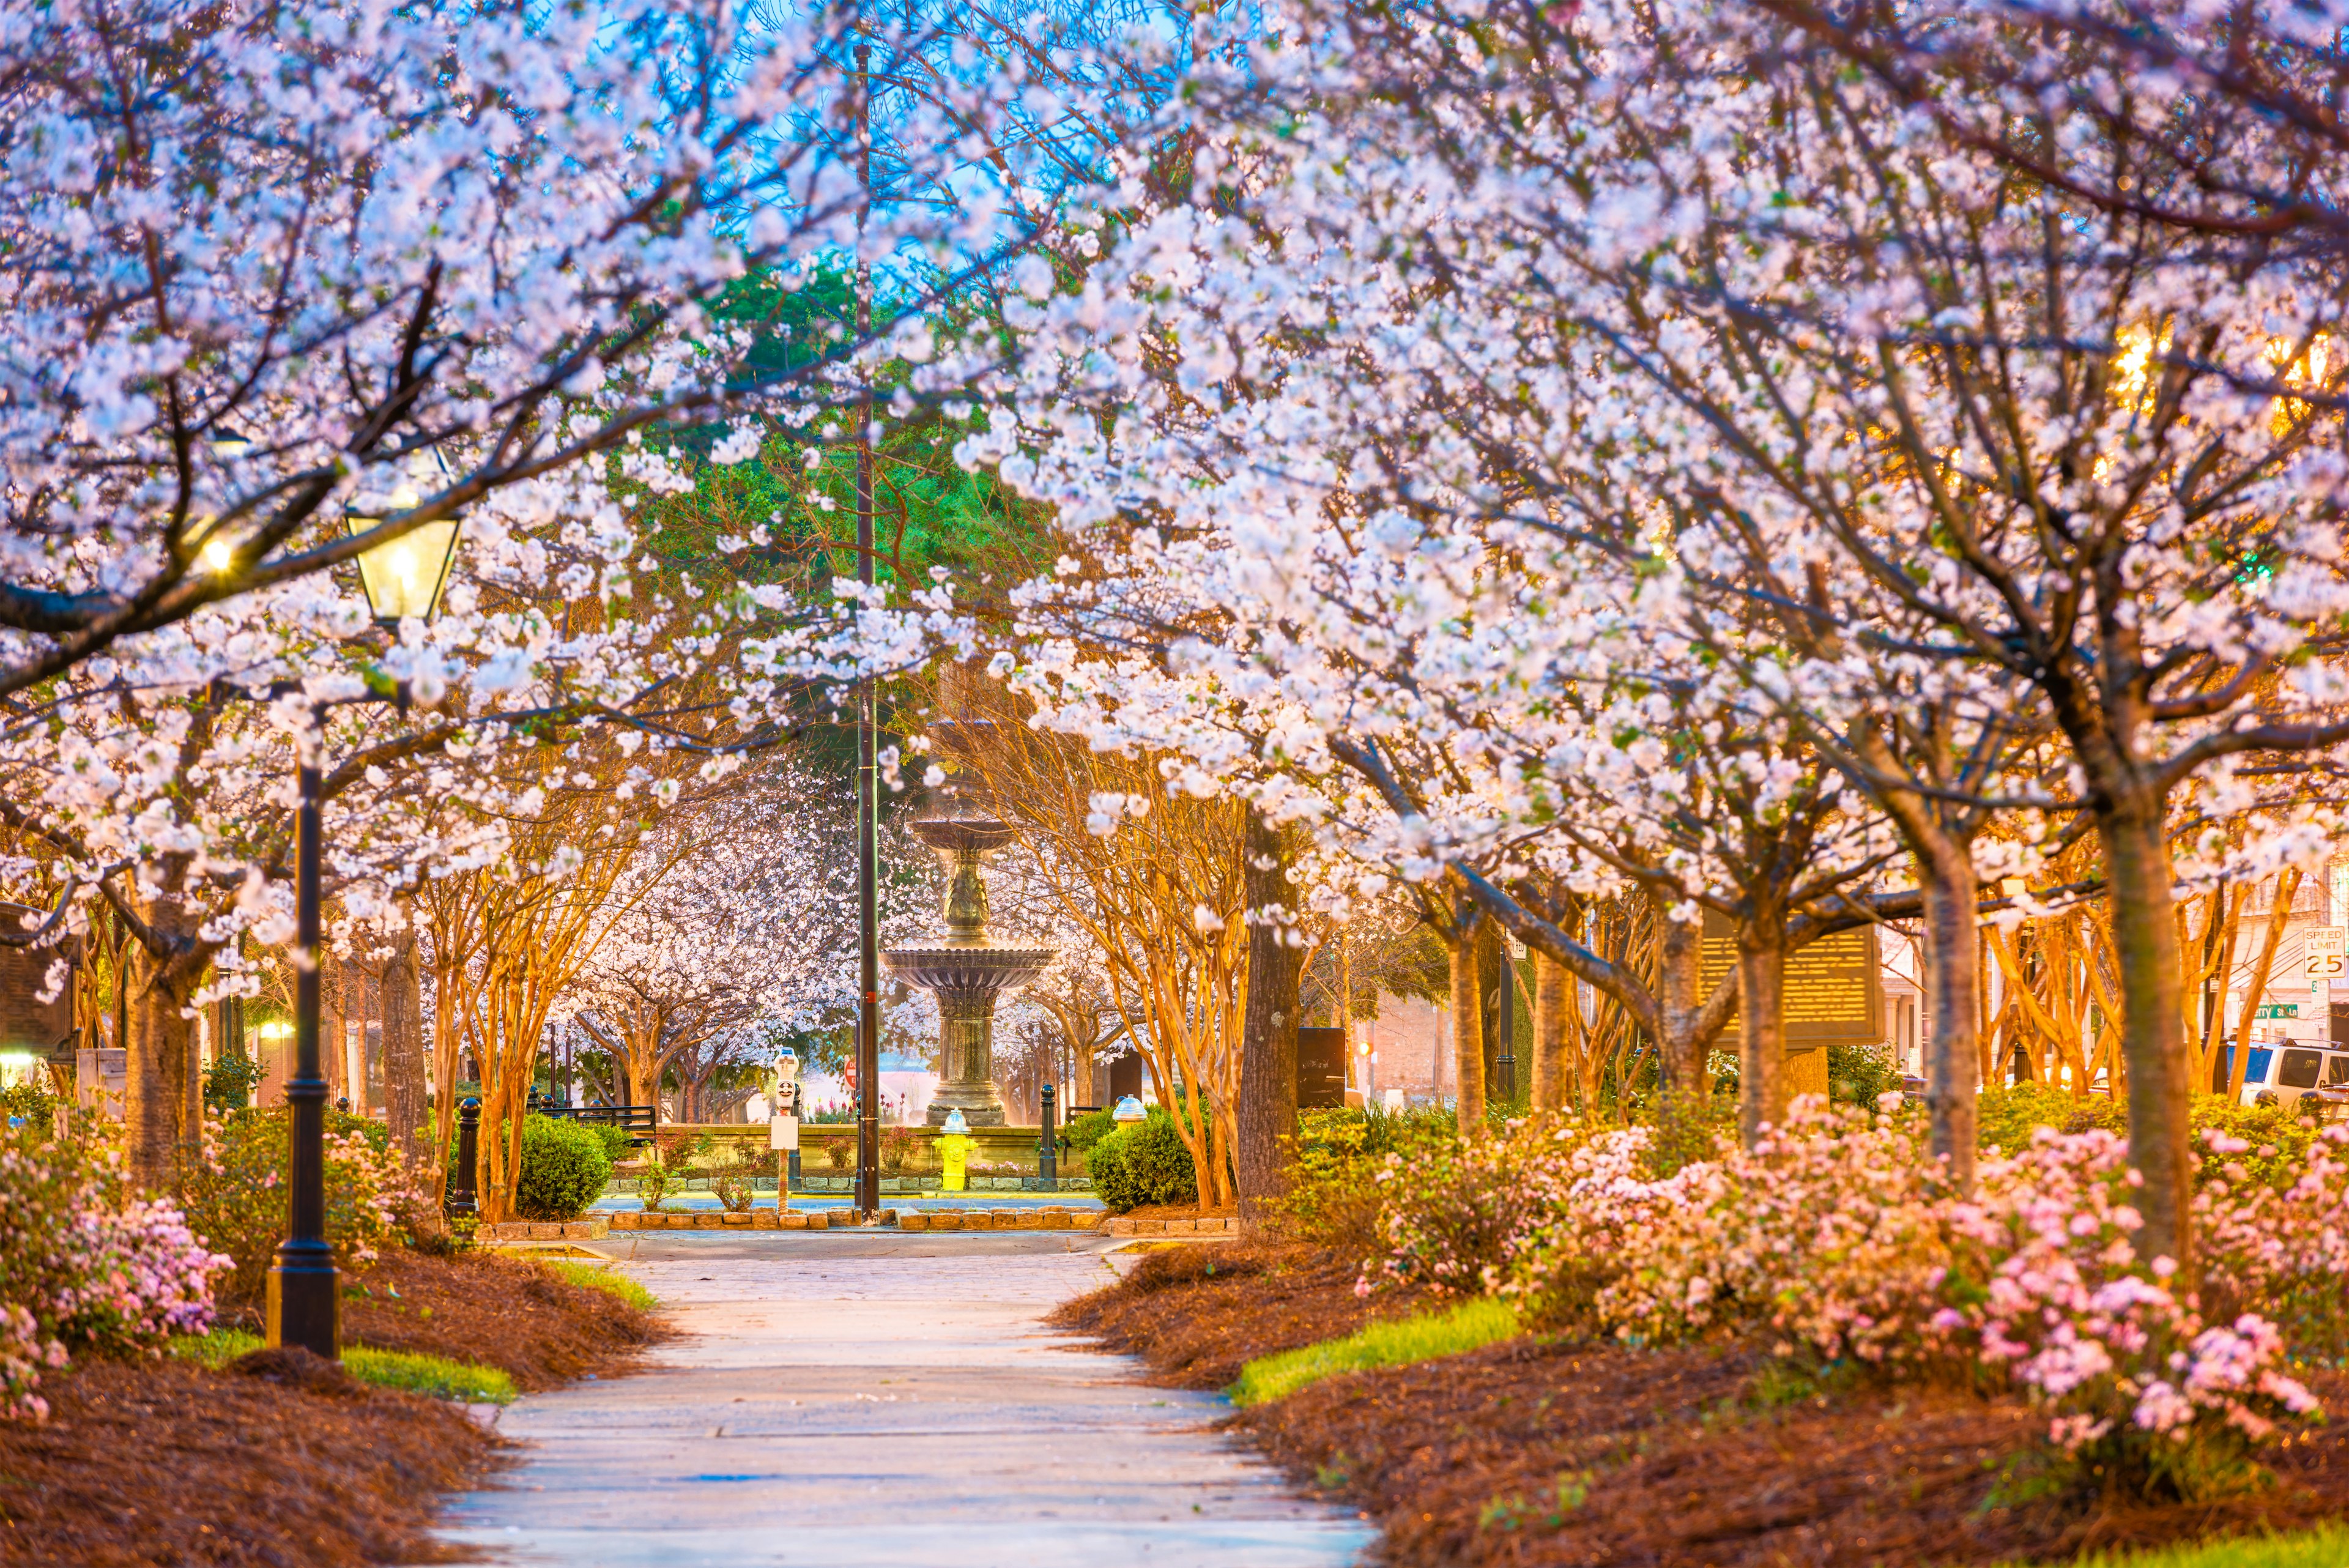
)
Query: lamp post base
[{"x": 305, "y": 1301}]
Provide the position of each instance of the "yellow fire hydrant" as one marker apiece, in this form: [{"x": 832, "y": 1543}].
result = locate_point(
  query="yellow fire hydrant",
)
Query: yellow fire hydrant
[{"x": 953, "y": 1152}]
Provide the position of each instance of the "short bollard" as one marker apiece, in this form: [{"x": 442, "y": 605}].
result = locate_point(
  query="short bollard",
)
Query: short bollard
[
  {"x": 1048, "y": 1144},
  {"x": 461, "y": 1204}
]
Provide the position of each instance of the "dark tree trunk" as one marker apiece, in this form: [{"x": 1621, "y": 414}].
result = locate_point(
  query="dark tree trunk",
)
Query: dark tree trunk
[
  {"x": 1680, "y": 995},
  {"x": 2153, "y": 1031},
  {"x": 164, "y": 1091},
  {"x": 1952, "y": 957},
  {"x": 1762, "y": 1035},
  {"x": 1267, "y": 1110}
]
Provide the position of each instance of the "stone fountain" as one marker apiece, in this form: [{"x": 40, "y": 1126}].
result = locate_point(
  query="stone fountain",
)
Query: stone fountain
[{"x": 967, "y": 970}]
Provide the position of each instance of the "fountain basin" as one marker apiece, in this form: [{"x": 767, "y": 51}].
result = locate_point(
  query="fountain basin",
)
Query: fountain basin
[{"x": 966, "y": 972}]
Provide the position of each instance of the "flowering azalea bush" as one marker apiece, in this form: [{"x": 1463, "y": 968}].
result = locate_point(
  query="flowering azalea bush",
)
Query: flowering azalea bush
[
  {"x": 83, "y": 1265},
  {"x": 236, "y": 1198},
  {"x": 1836, "y": 1239}
]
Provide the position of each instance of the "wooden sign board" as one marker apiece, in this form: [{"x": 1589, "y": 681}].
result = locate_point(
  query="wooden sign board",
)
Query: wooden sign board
[
  {"x": 1321, "y": 1069},
  {"x": 1834, "y": 987}
]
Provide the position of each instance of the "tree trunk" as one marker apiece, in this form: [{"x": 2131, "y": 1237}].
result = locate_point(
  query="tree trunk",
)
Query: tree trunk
[
  {"x": 644, "y": 1069},
  {"x": 1467, "y": 1021},
  {"x": 1268, "y": 1092},
  {"x": 2153, "y": 1037},
  {"x": 163, "y": 1089},
  {"x": 1761, "y": 1035},
  {"x": 405, "y": 1112},
  {"x": 1952, "y": 957},
  {"x": 1680, "y": 994},
  {"x": 1553, "y": 996}
]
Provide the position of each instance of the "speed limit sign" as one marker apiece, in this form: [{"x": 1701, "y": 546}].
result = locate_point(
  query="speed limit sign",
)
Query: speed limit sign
[{"x": 2320, "y": 952}]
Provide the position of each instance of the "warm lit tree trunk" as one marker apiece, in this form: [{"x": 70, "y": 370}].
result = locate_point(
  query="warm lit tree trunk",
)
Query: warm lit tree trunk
[
  {"x": 1267, "y": 1089},
  {"x": 407, "y": 1112},
  {"x": 1553, "y": 997},
  {"x": 1467, "y": 1018},
  {"x": 1491, "y": 974}
]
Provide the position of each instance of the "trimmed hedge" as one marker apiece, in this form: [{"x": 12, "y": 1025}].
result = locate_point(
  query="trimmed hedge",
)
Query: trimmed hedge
[
  {"x": 563, "y": 1168},
  {"x": 1145, "y": 1163}
]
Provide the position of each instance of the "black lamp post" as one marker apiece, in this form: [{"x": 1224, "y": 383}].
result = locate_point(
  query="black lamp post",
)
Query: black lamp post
[
  {"x": 306, "y": 1299},
  {"x": 1048, "y": 1142}
]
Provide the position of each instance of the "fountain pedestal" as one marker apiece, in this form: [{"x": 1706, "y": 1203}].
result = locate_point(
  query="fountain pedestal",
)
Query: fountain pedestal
[{"x": 966, "y": 971}]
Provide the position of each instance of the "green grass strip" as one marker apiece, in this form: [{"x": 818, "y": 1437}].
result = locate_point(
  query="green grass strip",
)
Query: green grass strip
[
  {"x": 216, "y": 1349},
  {"x": 1396, "y": 1343},
  {"x": 2327, "y": 1547},
  {"x": 429, "y": 1374},
  {"x": 598, "y": 1277},
  {"x": 442, "y": 1379}
]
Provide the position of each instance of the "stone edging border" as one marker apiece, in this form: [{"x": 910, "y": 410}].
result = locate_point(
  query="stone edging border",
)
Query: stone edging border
[{"x": 1045, "y": 1218}]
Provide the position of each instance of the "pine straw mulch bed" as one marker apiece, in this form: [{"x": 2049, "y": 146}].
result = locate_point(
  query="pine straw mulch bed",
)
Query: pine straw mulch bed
[
  {"x": 1551, "y": 1453},
  {"x": 1184, "y": 1310},
  {"x": 284, "y": 1460},
  {"x": 507, "y": 1313}
]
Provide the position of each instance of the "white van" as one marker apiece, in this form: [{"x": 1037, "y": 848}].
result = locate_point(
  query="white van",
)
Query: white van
[{"x": 2286, "y": 1070}]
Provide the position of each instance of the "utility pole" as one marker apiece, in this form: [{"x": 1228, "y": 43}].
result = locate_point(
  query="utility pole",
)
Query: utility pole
[{"x": 868, "y": 801}]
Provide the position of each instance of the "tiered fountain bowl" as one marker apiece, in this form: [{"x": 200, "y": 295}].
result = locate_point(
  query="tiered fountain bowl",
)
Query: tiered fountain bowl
[{"x": 966, "y": 969}]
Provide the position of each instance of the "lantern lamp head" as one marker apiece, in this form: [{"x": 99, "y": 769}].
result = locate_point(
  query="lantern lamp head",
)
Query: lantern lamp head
[{"x": 404, "y": 576}]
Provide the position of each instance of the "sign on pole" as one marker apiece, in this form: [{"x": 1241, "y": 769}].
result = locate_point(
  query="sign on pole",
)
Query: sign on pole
[
  {"x": 2321, "y": 953},
  {"x": 782, "y": 1132}
]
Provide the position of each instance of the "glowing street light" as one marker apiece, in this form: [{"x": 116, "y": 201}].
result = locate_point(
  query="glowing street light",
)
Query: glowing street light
[{"x": 404, "y": 576}]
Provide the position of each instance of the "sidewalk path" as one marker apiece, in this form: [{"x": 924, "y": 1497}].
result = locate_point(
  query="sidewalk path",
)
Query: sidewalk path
[{"x": 857, "y": 1400}]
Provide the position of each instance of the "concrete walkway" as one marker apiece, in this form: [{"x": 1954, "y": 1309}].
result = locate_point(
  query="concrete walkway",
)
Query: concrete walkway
[{"x": 853, "y": 1400}]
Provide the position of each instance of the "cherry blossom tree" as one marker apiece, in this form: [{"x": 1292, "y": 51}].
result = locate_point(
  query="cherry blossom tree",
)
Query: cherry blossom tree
[{"x": 1669, "y": 295}]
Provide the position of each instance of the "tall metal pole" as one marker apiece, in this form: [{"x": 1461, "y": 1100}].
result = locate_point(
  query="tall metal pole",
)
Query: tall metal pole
[
  {"x": 868, "y": 802},
  {"x": 305, "y": 1297}
]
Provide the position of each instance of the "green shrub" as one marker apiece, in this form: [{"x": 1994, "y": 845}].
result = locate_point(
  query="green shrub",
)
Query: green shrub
[
  {"x": 1859, "y": 1074},
  {"x": 236, "y": 1198},
  {"x": 2279, "y": 1136},
  {"x": 1144, "y": 1163},
  {"x": 1082, "y": 1133},
  {"x": 229, "y": 1082},
  {"x": 30, "y": 1102},
  {"x": 563, "y": 1168},
  {"x": 1334, "y": 1196}
]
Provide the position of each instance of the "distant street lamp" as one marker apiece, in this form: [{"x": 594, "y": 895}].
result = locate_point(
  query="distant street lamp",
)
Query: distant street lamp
[{"x": 305, "y": 1289}]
